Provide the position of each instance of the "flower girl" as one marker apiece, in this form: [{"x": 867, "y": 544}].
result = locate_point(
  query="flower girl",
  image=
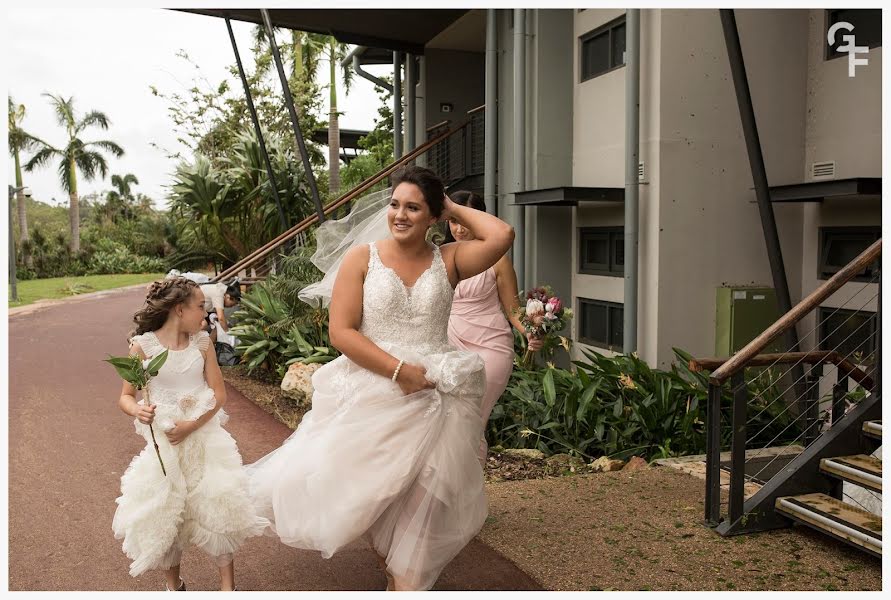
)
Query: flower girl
[{"x": 193, "y": 491}]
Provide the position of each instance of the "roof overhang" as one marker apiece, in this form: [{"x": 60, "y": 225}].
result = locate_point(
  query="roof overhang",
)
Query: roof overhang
[
  {"x": 392, "y": 29},
  {"x": 349, "y": 138},
  {"x": 569, "y": 196},
  {"x": 817, "y": 191}
]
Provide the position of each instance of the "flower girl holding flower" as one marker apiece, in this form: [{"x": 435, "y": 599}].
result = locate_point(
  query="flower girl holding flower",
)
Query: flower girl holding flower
[{"x": 190, "y": 489}]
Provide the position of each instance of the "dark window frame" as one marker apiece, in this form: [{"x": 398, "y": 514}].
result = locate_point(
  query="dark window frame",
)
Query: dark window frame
[
  {"x": 610, "y": 268},
  {"x": 828, "y": 51},
  {"x": 605, "y": 28},
  {"x": 824, "y": 272},
  {"x": 824, "y": 312},
  {"x": 610, "y": 308}
]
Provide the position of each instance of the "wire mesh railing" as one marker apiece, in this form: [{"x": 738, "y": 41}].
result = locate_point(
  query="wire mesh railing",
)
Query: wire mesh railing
[{"x": 778, "y": 406}]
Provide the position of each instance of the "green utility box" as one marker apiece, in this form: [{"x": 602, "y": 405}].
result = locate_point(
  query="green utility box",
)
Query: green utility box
[{"x": 742, "y": 314}]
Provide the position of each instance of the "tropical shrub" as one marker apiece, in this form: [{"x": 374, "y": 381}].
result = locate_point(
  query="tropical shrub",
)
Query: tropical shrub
[
  {"x": 275, "y": 328},
  {"x": 619, "y": 406}
]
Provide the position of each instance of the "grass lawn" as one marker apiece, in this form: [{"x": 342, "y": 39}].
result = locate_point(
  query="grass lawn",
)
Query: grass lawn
[{"x": 63, "y": 287}]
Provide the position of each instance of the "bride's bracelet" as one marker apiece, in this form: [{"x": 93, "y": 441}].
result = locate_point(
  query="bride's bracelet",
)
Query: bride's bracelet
[{"x": 396, "y": 372}]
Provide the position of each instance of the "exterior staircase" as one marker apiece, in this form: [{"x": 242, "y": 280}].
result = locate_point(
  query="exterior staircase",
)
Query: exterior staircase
[
  {"x": 843, "y": 520},
  {"x": 833, "y": 481}
]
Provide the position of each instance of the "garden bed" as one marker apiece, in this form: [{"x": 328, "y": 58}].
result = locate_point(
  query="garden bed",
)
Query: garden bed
[{"x": 264, "y": 391}]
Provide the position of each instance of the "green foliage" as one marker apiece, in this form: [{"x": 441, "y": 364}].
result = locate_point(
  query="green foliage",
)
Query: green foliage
[
  {"x": 275, "y": 328},
  {"x": 378, "y": 143},
  {"x": 51, "y": 257},
  {"x": 132, "y": 369},
  {"x": 229, "y": 208},
  {"x": 113, "y": 257},
  {"x": 618, "y": 406},
  {"x": 73, "y": 288},
  {"x": 208, "y": 118},
  {"x": 137, "y": 243}
]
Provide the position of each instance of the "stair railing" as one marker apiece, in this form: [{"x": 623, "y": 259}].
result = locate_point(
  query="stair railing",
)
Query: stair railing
[
  {"x": 252, "y": 263},
  {"x": 764, "y": 419}
]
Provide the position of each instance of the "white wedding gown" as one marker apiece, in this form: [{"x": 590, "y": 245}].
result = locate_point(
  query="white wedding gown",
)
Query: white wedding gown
[
  {"x": 369, "y": 461},
  {"x": 203, "y": 499}
]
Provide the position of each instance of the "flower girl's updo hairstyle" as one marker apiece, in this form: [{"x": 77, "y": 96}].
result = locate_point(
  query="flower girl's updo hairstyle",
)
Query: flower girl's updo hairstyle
[
  {"x": 429, "y": 183},
  {"x": 163, "y": 296}
]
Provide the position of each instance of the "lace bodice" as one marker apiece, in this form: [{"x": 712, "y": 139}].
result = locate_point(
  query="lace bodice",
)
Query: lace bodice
[
  {"x": 182, "y": 374},
  {"x": 416, "y": 317}
]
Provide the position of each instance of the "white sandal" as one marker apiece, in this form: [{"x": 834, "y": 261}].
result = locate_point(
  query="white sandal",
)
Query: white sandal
[{"x": 181, "y": 588}]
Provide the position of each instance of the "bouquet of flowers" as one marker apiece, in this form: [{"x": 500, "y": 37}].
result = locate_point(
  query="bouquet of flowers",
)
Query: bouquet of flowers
[
  {"x": 138, "y": 372},
  {"x": 543, "y": 316}
]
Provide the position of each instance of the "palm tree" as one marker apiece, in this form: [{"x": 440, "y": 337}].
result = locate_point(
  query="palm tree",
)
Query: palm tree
[
  {"x": 305, "y": 51},
  {"x": 302, "y": 53},
  {"x": 76, "y": 155},
  {"x": 20, "y": 141},
  {"x": 337, "y": 51},
  {"x": 122, "y": 185},
  {"x": 120, "y": 201}
]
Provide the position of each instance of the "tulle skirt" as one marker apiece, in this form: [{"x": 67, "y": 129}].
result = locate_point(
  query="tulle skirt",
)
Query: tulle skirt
[
  {"x": 202, "y": 501},
  {"x": 402, "y": 471}
]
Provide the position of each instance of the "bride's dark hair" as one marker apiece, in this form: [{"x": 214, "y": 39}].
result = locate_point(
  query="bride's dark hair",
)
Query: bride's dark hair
[
  {"x": 163, "y": 296},
  {"x": 429, "y": 183}
]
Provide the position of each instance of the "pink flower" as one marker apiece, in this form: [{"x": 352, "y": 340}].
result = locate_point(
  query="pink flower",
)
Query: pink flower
[{"x": 554, "y": 305}]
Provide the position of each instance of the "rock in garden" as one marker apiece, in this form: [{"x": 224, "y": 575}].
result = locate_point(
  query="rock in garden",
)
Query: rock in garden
[
  {"x": 565, "y": 461},
  {"x": 297, "y": 384},
  {"x": 635, "y": 464},
  {"x": 605, "y": 464},
  {"x": 525, "y": 453}
]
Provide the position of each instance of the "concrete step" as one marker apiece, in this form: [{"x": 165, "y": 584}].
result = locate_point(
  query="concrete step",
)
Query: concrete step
[{"x": 842, "y": 521}]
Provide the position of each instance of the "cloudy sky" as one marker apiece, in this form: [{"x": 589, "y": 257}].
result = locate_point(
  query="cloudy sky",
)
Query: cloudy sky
[{"x": 107, "y": 58}]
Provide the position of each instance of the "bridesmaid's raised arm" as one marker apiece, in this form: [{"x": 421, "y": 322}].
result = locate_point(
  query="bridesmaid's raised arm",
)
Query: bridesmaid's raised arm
[{"x": 492, "y": 239}]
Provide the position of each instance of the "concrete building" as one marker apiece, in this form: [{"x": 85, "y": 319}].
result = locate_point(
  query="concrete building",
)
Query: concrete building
[
  {"x": 558, "y": 170},
  {"x": 699, "y": 226}
]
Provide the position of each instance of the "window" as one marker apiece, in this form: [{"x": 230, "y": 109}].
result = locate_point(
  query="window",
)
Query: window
[
  {"x": 848, "y": 332},
  {"x": 867, "y": 28},
  {"x": 602, "y": 251},
  {"x": 841, "y": 245},
  {"x": 601, "y": 323},
  {"x": 603, "y": 49}
]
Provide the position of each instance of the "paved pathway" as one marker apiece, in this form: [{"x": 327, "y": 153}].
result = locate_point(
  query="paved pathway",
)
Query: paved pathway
[{"x": 69, "y": 445}]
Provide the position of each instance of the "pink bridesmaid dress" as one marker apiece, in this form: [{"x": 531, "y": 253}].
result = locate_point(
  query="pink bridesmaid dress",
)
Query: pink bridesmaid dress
[{"x": 477, "y": 323}]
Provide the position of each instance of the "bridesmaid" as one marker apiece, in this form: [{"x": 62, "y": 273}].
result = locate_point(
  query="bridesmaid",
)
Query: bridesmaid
[{"x": 477, "y": 322}]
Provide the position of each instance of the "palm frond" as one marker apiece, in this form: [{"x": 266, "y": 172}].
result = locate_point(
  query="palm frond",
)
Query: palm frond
[
  {"x": 94, "y": 117},
  {"x": 65, "y": 174},
  {"x": 341, "y": 52},
  {"x": 108, "y": 146},
  {"x": 19, "y": 139},
  {"x": 64, "y": 109},
  {"x": 42, "y": 156},
  {"x": 90, "y": 163}
]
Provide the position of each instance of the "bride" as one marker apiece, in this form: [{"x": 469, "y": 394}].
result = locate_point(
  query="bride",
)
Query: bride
[{"x": 389, "y": 450}]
